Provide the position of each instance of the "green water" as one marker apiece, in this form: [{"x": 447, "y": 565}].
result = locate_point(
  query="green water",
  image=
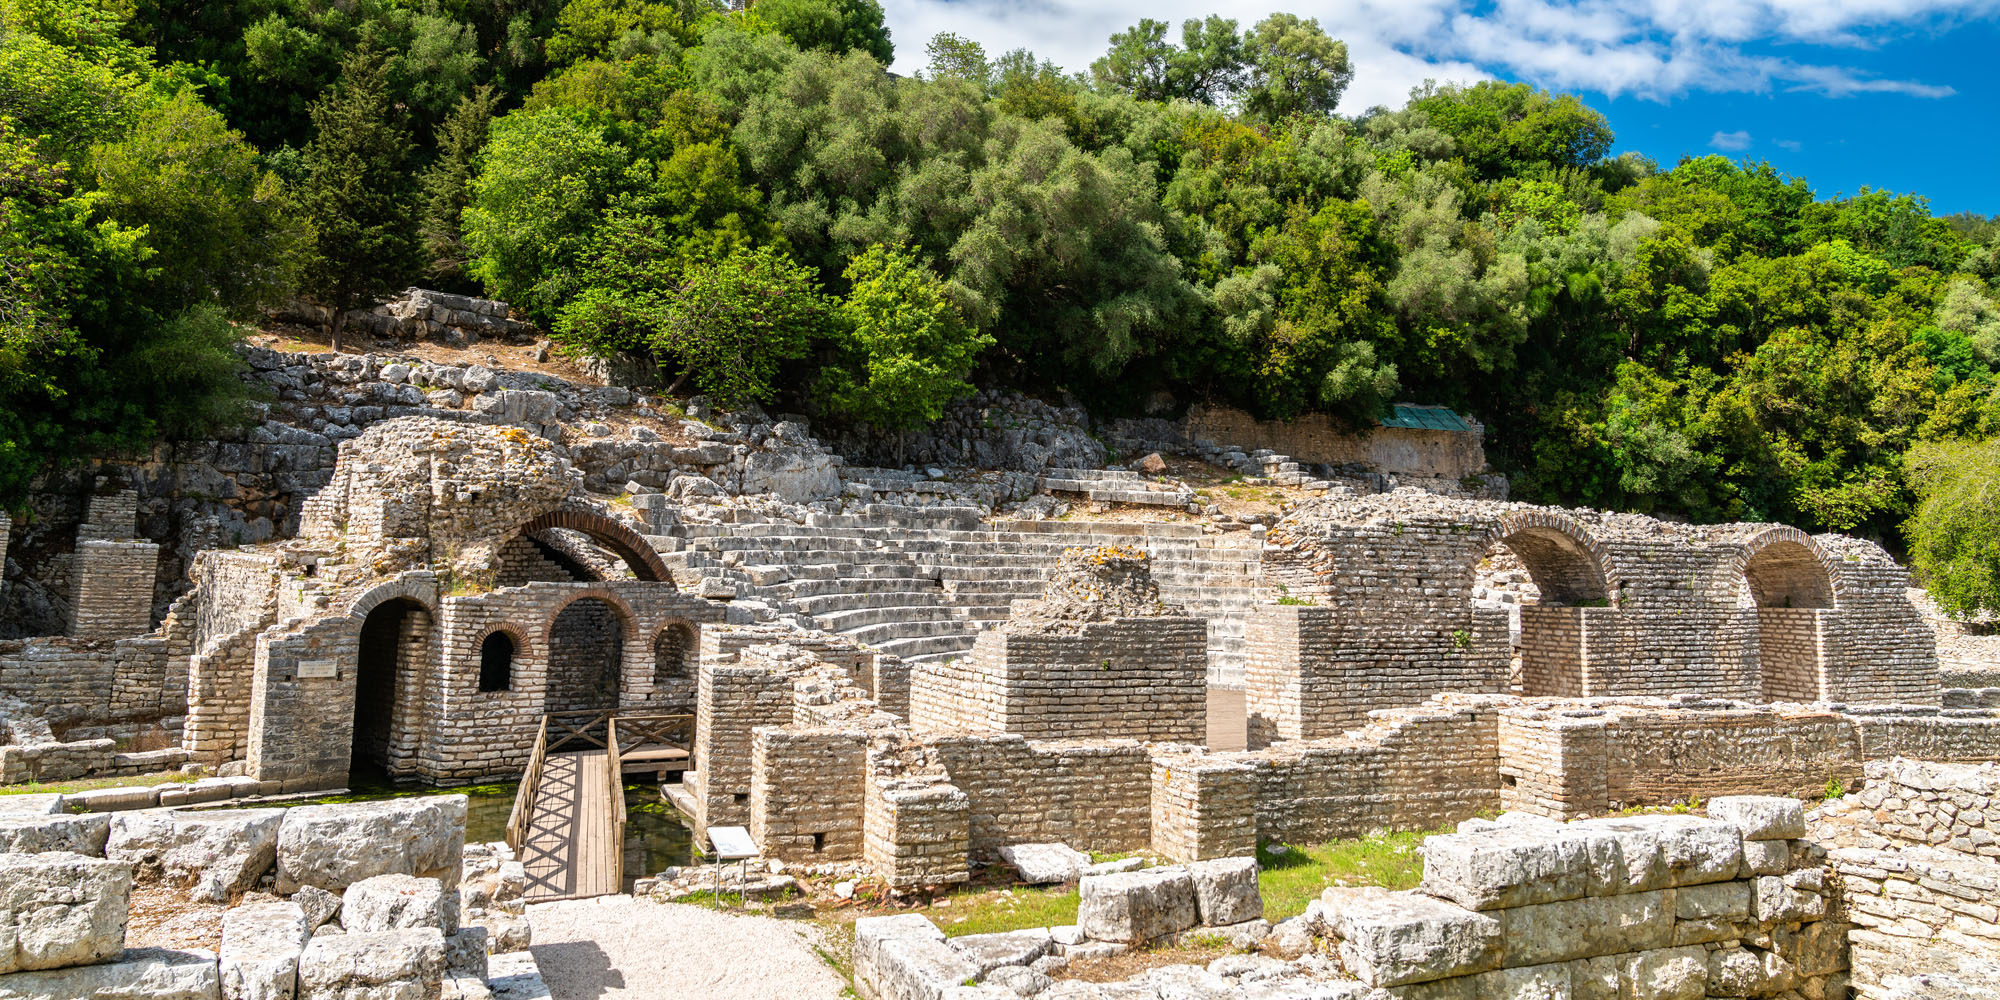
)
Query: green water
[{"x": 656, "y": 835}]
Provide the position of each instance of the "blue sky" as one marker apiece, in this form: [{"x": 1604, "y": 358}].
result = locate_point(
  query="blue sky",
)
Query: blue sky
[{"x": 1897, "y": 94}]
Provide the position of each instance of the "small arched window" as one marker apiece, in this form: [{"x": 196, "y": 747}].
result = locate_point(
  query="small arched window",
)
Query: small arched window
[
  {"x": 673, "y": 653},
  {"x": 496, "y": 662}
]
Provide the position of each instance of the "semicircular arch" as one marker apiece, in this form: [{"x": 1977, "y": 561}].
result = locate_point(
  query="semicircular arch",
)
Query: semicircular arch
[
  {"x": 1567, "y": 562},
  {"x": 628, "y": 544}
]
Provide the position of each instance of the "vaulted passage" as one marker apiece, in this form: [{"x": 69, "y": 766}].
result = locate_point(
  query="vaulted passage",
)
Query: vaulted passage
[
  {"x": 586, "y": 647},
  {"x": 1790, "y": 590},
  {"x": 388, "y": 673}
]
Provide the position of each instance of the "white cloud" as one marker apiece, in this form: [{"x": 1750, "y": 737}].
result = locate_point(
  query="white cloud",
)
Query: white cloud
[
  {"x": 1654, "y": 49},
  {"x": 1730, "y": 142},
  {"x": 1789, "y": 145}
]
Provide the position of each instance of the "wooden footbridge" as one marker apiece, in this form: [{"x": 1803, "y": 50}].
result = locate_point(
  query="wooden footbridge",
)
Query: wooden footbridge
[{"x": 568, "y": 823}]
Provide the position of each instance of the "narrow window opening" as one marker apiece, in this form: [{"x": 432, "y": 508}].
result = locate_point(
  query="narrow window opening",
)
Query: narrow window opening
[
  {"x": 496, "y": 662},
  {"x": 819, "y": 842}
]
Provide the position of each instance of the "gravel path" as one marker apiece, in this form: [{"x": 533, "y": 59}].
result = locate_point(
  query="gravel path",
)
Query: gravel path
[{"x": 620, "y": 948}]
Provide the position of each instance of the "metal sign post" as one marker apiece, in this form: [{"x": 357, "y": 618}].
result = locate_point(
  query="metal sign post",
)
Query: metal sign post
[{"x": 732, "y": 843}]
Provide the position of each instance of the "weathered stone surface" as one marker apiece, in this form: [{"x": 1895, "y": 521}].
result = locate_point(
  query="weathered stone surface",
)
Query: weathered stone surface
[
  {"x": 1505, "y": 866},
  {"x": 335, "y": 846},
  {"x": 1135, "y": 907},
  {"x": 1039, "y": 864},
  {"x": 1394, "y": 938},
  {"x": 261, "y": 944},
  {"x": 1692, "y": 849},
  {"x": 139, "y": 974},
  {"x": 1740, "y": 972},
  {"x": 1665, "y": 974},
  {"x": 1022, "y": 981},
  {"x": 1530, "y": 982},
  {"x": 388, "y": 965},
  {"x": 465, "y": 953},
  {"x": 395, "y": 902},
  {"x": 318, "y": 905},
  {"x": 991, "y": 951},
  {"x": 61, "y": 909},
  {"x": 218, "y": 852},
  {"x": 1225, "y": 891},
  {"x": 905, "y": 957},
  {"x": 515, "y": 976},
  {"x": 40, "y": 833},
  {"x": 1588, "y": 927},
  {"x": 1766, "y": 857},
  {"x": 1760, "y": 817},
  {"x": 33, "y": 804}
]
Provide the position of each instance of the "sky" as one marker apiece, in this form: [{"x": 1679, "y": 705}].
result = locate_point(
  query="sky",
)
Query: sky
[{"x": 1895, "y": 94}]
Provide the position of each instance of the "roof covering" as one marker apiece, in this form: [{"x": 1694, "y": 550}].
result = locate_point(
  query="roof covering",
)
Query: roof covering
[{"x": 1425, "y": 418}]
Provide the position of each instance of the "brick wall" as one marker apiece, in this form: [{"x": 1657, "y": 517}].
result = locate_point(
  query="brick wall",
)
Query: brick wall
[
  {"x": 808, "y": 790},
  {"x": 1093, "y": 796},
  {"x": 112, "y": 595},
  {"x": 1135, "y": 678}
]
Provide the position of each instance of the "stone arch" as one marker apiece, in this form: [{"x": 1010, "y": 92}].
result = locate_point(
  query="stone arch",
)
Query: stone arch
[
  {"x": 586, "y": 640},
  {"x": 1782, "y": 567},
  {"x": 629, "y": 545},
  {"x": 391, "y": 668},
  {"x": 420, "y": 587},
  {"x": 496, "y": 677},
  {"x": 1566, "y": 561}
]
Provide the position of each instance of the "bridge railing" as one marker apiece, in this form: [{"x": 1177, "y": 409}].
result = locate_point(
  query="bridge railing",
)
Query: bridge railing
[
  {"x": 524, "y": 797},
  {"x": 615, "y": 774}
]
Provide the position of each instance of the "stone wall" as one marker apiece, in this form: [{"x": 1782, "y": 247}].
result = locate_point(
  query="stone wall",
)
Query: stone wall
[
  {"x": 808, "y": 792},
  {"x": 733, "y": 701},
  {"x": 113, "y": 589},
  {"x": 1137, "y": 678},
  {"x": 1927, "y": 732},
  {"x": 1315, "y": 438},
  {"x": 1093, "y": 796}
]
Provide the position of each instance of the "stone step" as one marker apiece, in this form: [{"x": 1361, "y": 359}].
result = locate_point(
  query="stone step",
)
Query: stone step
[
  {"x": 928, "y": 648},
  {"x": 875, "y": 635},
  {"x": 838, "y": 601},
  {"x": 852, "y": 618},
  {"x": 883, "y": 585}
]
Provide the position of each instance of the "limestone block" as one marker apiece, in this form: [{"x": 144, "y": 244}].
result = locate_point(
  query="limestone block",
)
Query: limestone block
[
  {"x": 1135, "y": 907},
  {"x": 465, "y": 953},
  {"x": 335, "y": 846},
  {"x": 27, "y": 833},
  {"x": 515, "y": 976},
  {"x": 61, "y": 909},
  {"x": 139, "y": 974},
  {"x": 36, "y": 804},
  {"x": 1693, "y": 850},
  {"x": 218, "y": 852},
  {"x": 1774, "y": 902},
  {"x": 1040, "y": 864},
  {"x": 1594, "y": 978},
  {"x": 1225, "y": 891},
  {"x": 395, "y": 902},
  {"x": 873, "y": 934},
  {"x": 1505, "y": 866},
  {"x": 1393, "y": 938},
  {"x": 918, "y": 968},
  {"x": 1760, "y": 817},
  {"x": 1588, "y": 927},
  {"x": 1023, "y": 982},
  {"x": 1716, "y": 911},
  {"x": 1532, "y": 982},
  {"x": 318, "y": 904},
  {"x": 386, "y": 965},
  {"x": 1664, "y": 974},
  {"x": 991, "y": 951},
  {"x": 1741, "y": 972},
  {"x": 1766, "y": 857},
  {"x": 113, "y": 799},
  {"x": 261, "y": 944}
]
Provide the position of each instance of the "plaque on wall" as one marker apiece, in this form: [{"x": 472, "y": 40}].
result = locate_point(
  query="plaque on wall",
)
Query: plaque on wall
[{"x": 318, "y": 670}]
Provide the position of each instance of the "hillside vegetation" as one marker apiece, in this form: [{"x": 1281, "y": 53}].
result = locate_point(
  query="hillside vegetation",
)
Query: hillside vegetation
[{"x": 750, "y": 201}]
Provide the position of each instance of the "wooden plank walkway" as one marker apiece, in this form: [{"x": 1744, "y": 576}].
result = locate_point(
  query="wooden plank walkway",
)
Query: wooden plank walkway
[{"x": 568, "y": 850}]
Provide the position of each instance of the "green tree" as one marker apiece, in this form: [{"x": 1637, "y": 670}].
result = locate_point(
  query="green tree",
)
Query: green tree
[
  {"x": 545, "y": 179},
  {"x": 953, "y": 57},
  {"x": 1954, "y": 535},
  {"x": 445, "y": 186},
  {"x": 1506, "y": 129},
  {"x": 834, "y": 26},
  {"x": 907, "y": 347},
  {"x": 1294, "y": 68},
  {"x": 357, "y": 196}
]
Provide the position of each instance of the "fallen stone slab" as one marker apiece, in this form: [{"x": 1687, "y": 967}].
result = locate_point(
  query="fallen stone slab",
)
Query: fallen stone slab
[
  {"x": 33, "y": 804},
  {"x": 1396, "y": 938},
  {"x": 61, "y": 909},
  {"x": 905, "y": 957},
  {"x": 1760, "y": 817},
  {"x": 261, "y": 945},
  {"x": 31, "y": 833},
  {"x": 394, "y": 902},
  {"x": 991, "y": 951},
  {"x": 389, "y": 965},
  {"x": 1135, "y": 907},
  {"x": 1225, "y": 891},
  {"x": 114, "y": 799},
  {"x": 138, "y": 974},
  {"x": 1505, "y": 866},
  {"x": 218, "y": 853},
  {"x": 1041, "y": 864},
  {"x": 515, "y": 976},
  {"x": 335, "y": 846}
]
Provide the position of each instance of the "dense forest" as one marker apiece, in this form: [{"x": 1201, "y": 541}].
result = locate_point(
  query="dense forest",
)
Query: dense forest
[{"x": 749, "y": 200}]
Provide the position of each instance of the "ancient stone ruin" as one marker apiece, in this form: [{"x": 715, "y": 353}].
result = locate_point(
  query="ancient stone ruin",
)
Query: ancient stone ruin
[{"x": 470, "y": 584}]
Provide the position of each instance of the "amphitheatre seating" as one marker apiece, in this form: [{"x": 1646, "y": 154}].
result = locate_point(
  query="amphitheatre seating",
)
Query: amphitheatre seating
[
  {"x": 920, "y": 584},
  {"x": 1114, "y": 486}
]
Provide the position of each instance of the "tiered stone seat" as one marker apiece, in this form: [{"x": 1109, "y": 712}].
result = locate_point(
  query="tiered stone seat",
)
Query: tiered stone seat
[
  {"x": 1114, "y": 486},
  {"x": 921, "y": 584}
]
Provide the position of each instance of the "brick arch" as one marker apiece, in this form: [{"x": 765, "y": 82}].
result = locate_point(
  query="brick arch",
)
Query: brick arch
[
  {"x": 619, "y": 538},
  {"x": 1783, "y": 567},
  {"x": 628, "y": 619},
  {"x": 420, "y": 587},
  {"x": 514, "y": 632},
  {"x": 1566, "y": 560}
]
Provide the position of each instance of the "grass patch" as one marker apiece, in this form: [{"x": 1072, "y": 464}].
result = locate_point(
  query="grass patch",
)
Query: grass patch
[
  {"x": 88, "y": 784},
  {"x": 989, "y": 911},
  {"x": 1296, "y": 877}
]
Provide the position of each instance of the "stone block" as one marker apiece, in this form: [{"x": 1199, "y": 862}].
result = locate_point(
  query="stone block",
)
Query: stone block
[
  {"x": 218, "y": 853},
  {"x": 1692, "y": 849},
  {"x": 1664, "y": 974},
  {"x": 1505, "y": 866},
  {"x": 991, "y": 951},
  {"x": 1594, "y": 978},
  {"x": 139, "y": 974},
  {"x": 318, "y": 904},
  {"x": 29, "y": 833},
  {"x": 387, "y": 965},
  {"x": 515, "y": 976},
  {"x": 33, "y": 804},
  {"x": 396, "y": 902},
  {"x": 1225, "y": 891},
  {"x": 1740, "y": 972},
  {"x": 1766, "y": 857},
  {"x": 114, "y": 799},
  {"x": 1395, "y": 938},
  {"x": 1135, "y": 907},
  {"x": 1532, "y": 982},
  {"x": 1760, "y": 817},
  {"x": 61, "y": 909},
  {"x": 465, "y": 952},
  {"x": 1588, "y": 927},
  {"x": 1040, "y": 864},
  {"x": 335, "y": 846},
  {"x": 261, "y": 944}
]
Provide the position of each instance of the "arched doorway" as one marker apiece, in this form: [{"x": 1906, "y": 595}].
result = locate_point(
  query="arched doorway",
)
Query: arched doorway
[
  {"x": 586, "y": 657},
  {"x": 1790, "y": 588},
  {"x": 673, "y": 666},
  {"x": 1545, "y": 578},
  {"x": 388, "y": 671}
]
